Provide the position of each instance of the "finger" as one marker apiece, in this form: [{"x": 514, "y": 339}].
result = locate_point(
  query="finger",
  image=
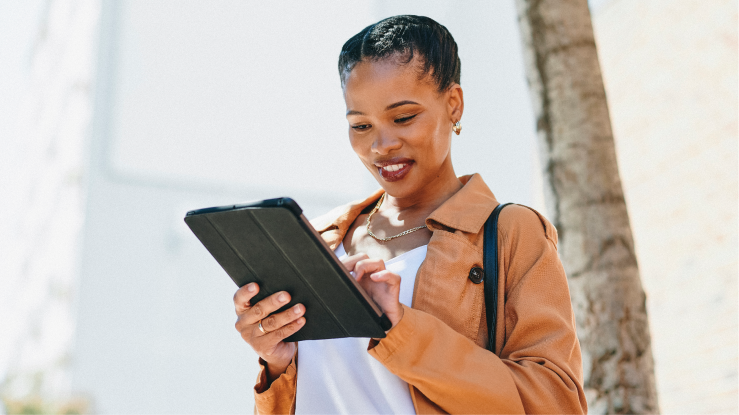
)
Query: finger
[
  {"x": 368, "y": 266},
  {"x": 266, "y": 307},
  {"x": 275, "y": 321},
  {"x": 388, "y": 277},
  {"x": 271, "y": 339},
  {"x": 350, "y": 262},
  {"x": 244, "y": 295}
]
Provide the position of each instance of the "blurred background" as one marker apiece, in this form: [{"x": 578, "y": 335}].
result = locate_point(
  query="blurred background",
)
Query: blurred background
[{"x": 117, "y": 117}]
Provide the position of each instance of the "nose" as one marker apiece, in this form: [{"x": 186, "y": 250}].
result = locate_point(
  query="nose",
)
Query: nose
[{"x": 385, "y": 142}]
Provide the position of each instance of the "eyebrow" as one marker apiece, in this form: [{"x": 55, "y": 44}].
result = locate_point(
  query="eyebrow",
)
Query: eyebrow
[{"x": 388, "y": 108}]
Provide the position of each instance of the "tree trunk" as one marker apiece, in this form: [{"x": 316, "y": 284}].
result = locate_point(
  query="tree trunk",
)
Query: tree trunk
[{"x": 586, "y": 203}]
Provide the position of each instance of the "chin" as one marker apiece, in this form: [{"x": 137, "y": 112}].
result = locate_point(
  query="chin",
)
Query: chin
[{"x": 399, "y": 189}]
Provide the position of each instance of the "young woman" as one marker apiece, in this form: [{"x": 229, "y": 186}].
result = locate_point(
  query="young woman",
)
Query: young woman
[{"x": 416, "y": 247}]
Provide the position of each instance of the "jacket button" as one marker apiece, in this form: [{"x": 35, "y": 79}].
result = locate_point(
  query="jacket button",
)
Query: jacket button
[{"x": 477, "y": 275}]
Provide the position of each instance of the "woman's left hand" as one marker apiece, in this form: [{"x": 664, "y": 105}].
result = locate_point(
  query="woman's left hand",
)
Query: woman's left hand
[{"x": 382, "y": 285}]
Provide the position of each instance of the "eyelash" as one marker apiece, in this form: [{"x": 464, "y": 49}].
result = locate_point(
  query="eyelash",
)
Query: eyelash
[
  {"x": 405, "y": 119},
  {"x": 362, "y": 127}
]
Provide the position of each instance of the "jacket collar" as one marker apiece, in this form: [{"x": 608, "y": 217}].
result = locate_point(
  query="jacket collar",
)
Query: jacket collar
[{"x": 467, "y": 210}]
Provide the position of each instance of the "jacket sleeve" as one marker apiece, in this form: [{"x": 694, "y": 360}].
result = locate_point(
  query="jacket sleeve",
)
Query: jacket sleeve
[
  {"x": 279, "y": 398},
  {"x": 540, "y": 366}
]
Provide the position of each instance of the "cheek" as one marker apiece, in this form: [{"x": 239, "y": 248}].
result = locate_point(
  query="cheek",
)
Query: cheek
[
  {"x": 358, "y": 145},
  {"x": 435, "y": 142}
]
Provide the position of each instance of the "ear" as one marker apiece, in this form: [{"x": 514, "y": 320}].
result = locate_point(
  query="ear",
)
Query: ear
[{"x": 455, "y": 103}]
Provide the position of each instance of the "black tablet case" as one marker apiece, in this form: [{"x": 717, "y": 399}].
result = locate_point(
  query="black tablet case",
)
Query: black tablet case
[{"x": 271, "y": 243}]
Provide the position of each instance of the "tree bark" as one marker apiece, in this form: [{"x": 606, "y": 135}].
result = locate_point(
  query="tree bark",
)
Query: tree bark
[{"x": 586, "y": 203}]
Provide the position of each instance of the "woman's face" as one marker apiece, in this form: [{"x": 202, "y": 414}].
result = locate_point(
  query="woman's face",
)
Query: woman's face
[{"x": 400, "y": 126}]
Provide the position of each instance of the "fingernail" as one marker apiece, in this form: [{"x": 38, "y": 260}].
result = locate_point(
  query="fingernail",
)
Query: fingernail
[
  {"x": 296, "y": 309},
  {"x": 282, "y": 297},
  {"x": 251, "y": 287},
  {"x": 301, "y": 321}
]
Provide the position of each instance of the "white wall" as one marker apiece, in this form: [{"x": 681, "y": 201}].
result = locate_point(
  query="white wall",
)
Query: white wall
[
  {"x": 670, "y": 71},
  {"x": 208, "y": 103}
]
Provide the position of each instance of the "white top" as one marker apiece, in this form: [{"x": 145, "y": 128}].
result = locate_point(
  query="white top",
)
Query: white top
[{"x": 338, "y": 376}]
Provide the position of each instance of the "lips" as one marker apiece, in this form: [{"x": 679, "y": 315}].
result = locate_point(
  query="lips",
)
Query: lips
[{"x": 394, "y": 169}]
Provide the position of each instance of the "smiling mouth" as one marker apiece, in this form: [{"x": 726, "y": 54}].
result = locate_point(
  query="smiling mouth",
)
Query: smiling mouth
[
  {"x": 394, "y": 172},
  {"x": 394, "y": 167}
]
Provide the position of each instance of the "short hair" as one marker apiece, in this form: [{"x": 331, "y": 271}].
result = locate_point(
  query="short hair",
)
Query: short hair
[{"x": 405, "y": 37}]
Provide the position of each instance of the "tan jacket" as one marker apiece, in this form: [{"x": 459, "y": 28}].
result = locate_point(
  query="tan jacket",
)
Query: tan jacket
[{"x": 438, "y": 347}]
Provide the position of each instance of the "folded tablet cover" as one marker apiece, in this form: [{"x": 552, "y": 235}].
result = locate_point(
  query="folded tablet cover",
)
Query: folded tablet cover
[{"x": 266, "y": 243}]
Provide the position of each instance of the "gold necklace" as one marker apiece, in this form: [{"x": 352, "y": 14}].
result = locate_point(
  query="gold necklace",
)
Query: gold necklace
[{"x": 369, "y": 232}]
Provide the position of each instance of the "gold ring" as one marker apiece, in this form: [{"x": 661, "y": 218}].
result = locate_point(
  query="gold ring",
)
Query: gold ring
[{"x": 261, "y": 328}]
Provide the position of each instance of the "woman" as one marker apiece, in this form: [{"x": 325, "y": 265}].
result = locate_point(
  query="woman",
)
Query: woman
[{"x": 414, "y": 246}]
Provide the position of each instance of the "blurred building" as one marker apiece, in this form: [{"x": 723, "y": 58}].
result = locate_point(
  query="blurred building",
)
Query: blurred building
[
  {"x": 135, "y": 112},
  {"x": 46, "y": 100}
]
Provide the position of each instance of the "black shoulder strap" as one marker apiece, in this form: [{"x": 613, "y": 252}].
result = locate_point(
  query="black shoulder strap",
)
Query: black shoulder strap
[{"x": 490, "y": 265}]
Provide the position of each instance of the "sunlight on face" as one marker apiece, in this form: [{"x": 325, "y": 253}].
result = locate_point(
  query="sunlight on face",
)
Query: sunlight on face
[{"x": 400, "y": 125}]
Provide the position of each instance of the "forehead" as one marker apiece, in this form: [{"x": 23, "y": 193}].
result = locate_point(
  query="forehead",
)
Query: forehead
[{"x": 379, "y": 83}]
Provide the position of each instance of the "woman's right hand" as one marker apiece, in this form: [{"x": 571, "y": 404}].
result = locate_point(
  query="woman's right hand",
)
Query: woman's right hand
[{"x": 269, "y": 346}]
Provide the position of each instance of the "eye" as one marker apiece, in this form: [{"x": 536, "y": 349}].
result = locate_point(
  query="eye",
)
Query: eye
[
  {"x": 405, "y": 119},
  {"x": 361, "y": 127}
]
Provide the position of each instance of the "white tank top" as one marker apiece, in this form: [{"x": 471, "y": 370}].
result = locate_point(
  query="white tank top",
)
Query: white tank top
[{"x": 338, "y": 376}]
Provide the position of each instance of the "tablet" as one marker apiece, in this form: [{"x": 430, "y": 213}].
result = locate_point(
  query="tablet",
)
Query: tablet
[{"x": 272, "y": 243}]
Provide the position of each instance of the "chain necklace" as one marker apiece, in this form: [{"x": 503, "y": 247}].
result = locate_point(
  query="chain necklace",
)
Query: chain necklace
[{"x": 369, "y": 232}]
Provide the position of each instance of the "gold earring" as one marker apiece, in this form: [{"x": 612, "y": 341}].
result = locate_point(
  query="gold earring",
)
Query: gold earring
[{"x": 457, "y": 128}]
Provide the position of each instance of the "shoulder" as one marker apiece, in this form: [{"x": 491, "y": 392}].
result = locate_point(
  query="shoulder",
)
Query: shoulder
[
  {"x": 342, "y": 216},
  {"x": 333, "y": 225},
  {"x": 528, "y": 249},
  {"x": 330, "y": 225},
  {"x": 328, "y": 220},
  {"x": 519, "y": 221}
]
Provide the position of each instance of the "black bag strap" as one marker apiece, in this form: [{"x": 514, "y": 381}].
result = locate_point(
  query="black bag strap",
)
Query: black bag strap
[{"x": 490, "y": 270}]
